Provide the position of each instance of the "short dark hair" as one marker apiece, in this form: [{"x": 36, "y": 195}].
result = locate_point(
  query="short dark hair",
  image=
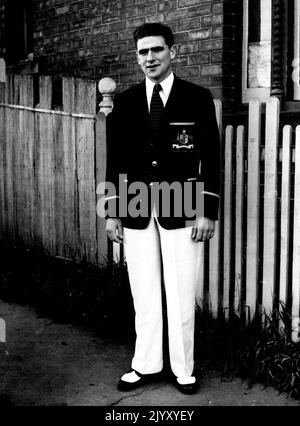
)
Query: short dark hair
[{"x": 154, "y": 29}]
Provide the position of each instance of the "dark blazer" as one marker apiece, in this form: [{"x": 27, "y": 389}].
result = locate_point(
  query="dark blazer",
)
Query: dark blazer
[{"x": 134, "y": 152}]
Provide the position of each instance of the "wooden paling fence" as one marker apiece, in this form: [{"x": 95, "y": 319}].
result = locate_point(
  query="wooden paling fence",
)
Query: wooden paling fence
[
  {"x": 51, "y": 160},
  {"x": 49, "y": 166}
]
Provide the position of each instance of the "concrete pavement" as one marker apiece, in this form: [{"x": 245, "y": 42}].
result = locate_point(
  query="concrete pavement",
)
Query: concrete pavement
[{"x": 44, "y": 363}]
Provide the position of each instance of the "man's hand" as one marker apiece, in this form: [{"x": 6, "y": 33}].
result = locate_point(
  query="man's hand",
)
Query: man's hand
[
  {"x": 114, "y": 230},
  {"x": 203, "y": 229}
]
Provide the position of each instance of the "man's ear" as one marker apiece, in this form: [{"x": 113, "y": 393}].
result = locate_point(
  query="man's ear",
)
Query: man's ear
[{"x": 173, "y": 51}]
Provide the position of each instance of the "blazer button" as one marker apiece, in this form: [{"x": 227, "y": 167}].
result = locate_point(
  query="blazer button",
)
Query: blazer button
[{"x": 154, "y": 163}]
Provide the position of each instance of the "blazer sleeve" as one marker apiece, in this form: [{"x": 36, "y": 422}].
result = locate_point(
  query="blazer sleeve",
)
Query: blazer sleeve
[{"x": 210, "y": 159}]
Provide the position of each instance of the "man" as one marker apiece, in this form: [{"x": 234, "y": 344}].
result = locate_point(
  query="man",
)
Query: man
[{"x": 162, "y": 130}]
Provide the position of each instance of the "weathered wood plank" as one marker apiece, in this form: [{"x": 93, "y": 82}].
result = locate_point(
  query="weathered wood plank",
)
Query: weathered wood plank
[
  {"x": 26, "y": 171},
  {"x": 296, "y": 245},
  {"x": 9, "y": 182},
  {"x": 214, "y": 270},
  {"x": 253, "y": 202},
  {"x": 59, "y": 183},
  {"x": 68, "y": 95},
  {"x": 25, "y": 83},
  {"x": 100, "y": 158},
  {"x": 23, "y": 174},
  {"x": 85, "y": 96},
  {"x": 285, "y": 214},
  {"x": 2, "y": 70},
  {"x": 2, "y": 80},
  {"x": 47, "y": 193},
  {"x": 38, "y": 183},
  {"x": 15, "y": 93},
  {"x": 2, "y": 172},
  {"x": 71, "y": 217},
  {"x": 239, "y": 221},
  {"x": 228, "y": 219},
  {"x": 86, "y": 188},
  {"x": 17, "y": 175},
  {"x": 45, "y": 92},
  {"x": 9, "y": 89},
  {"x": 270, "y": 203},
  {"x": 215, "y": 242},
  {"x": 85, "y": 145},
  {"x": 2, "y": 92},
  {"x": 6, "y": 138}
]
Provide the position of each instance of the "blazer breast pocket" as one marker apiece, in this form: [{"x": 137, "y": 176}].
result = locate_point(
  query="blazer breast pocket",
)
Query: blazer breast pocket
[{"x": 182, "y": 136}]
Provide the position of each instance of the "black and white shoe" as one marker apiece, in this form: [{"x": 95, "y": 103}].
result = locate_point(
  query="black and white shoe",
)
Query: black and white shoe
[
  {"x": 133, "y": 380},
  {"x": 187, "y": 385}
]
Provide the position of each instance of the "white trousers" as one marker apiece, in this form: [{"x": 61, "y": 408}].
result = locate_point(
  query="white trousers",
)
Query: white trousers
[{"x": 147, "y": 252}]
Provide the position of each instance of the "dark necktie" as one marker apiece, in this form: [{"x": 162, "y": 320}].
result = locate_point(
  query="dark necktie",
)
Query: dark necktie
[{"x": 156, "y": 108}]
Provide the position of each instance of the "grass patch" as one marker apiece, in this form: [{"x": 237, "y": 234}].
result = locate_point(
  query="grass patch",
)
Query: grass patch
[{"x": 264, "y": 355}]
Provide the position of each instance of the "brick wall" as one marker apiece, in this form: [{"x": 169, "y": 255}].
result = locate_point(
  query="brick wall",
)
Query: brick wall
[{"x": 93, "y": 38}]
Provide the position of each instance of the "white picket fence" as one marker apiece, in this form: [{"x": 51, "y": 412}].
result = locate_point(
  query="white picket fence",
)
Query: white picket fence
[{"x": 259, "y": 226}]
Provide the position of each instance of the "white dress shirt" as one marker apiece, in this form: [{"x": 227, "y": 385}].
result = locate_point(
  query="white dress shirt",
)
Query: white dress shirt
[{"x": 166, "y": 85}]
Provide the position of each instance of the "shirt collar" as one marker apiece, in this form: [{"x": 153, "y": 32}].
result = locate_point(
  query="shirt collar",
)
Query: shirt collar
[{"x": 166, "y": 85}]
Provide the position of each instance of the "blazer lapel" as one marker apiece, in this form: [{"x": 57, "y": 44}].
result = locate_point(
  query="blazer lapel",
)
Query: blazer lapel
[{"x": 141, "y": 100}]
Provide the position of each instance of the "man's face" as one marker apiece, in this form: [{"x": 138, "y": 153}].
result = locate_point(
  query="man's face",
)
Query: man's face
[{"x": 154, "y": 57}]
